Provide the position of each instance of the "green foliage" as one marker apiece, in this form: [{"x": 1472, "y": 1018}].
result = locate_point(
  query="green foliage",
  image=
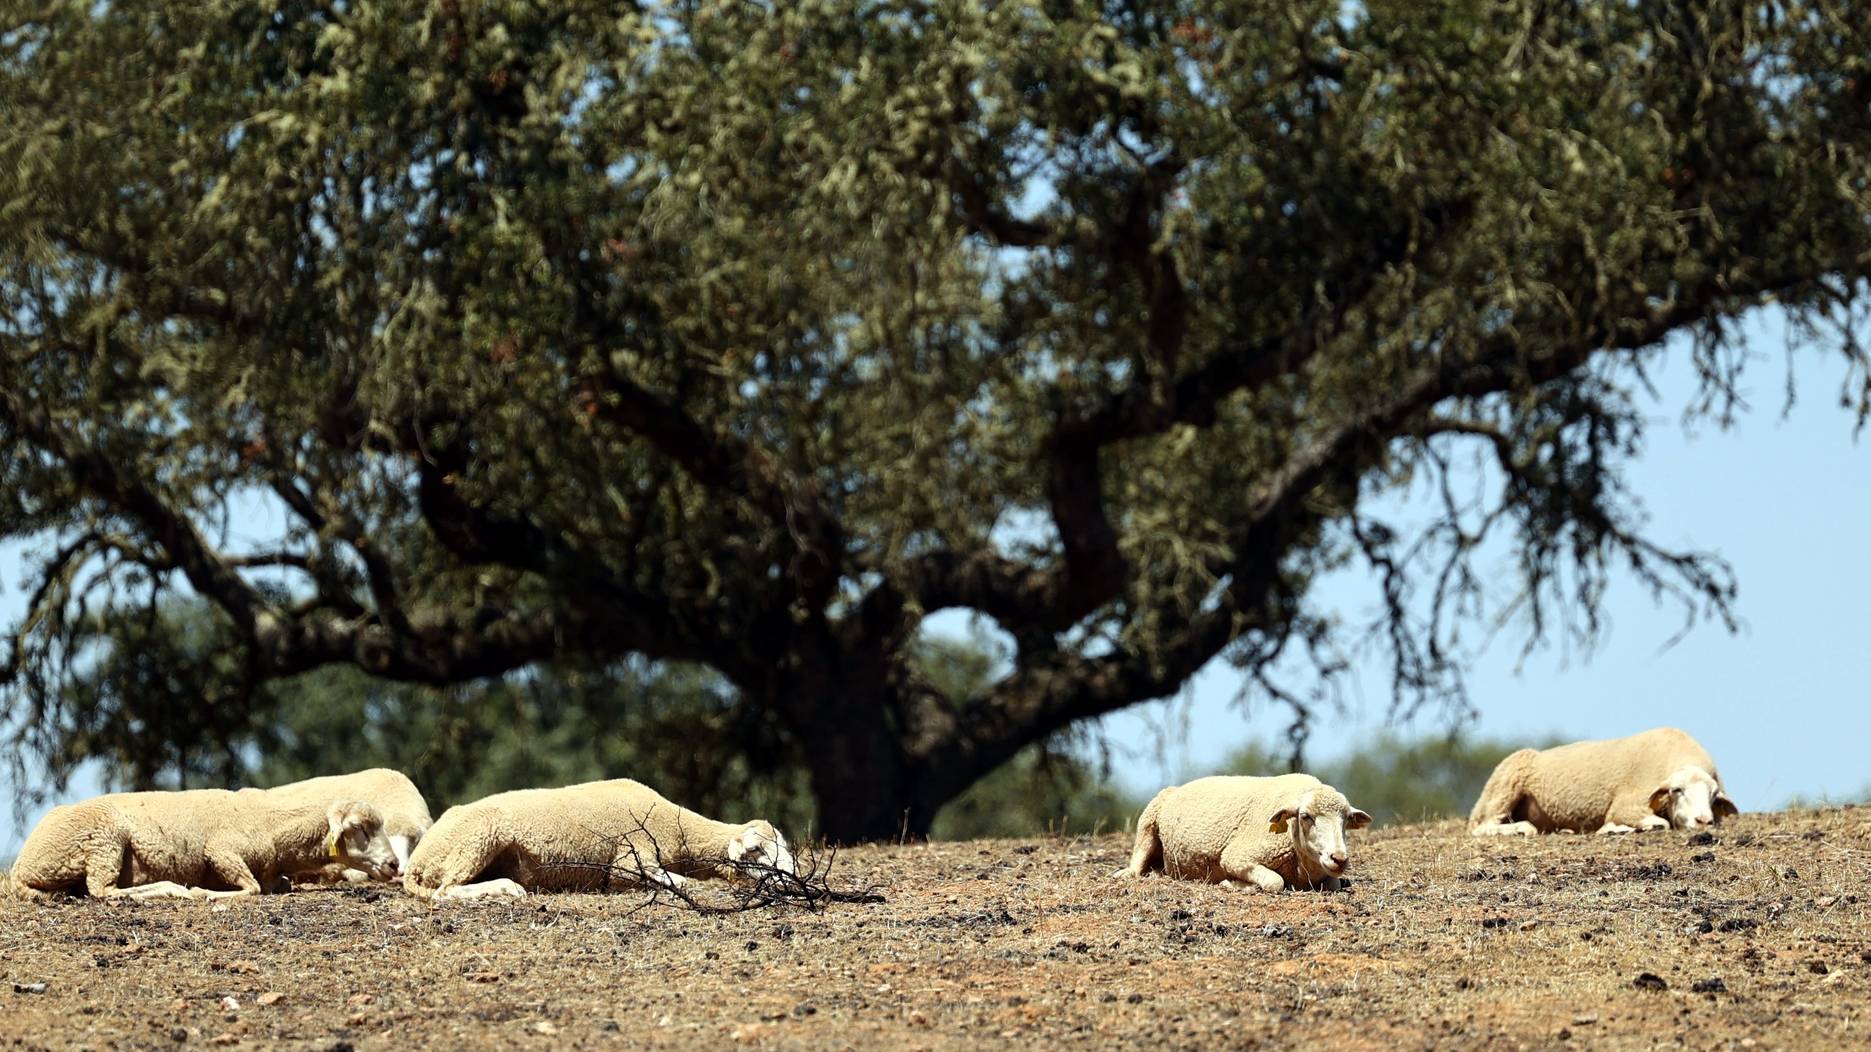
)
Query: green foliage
[
  {"x": 675, "y": 728},
  {"x": 679, "y": 728},
  {"x": 1038, "y": 791},
  {"x": 1397, "y": 779},
  {"x": 747, "y": 335}
]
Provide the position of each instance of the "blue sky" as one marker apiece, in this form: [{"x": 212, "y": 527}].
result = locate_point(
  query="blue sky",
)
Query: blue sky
[
  {"x": 1786, "y": 500},
  {"x": 1780, "y": 705}
]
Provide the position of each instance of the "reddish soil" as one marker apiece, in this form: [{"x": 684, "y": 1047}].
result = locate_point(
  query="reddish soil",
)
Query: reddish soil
[{"x": 1758, "y": 938}]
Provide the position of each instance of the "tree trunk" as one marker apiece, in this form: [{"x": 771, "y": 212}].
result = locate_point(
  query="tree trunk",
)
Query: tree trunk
[{"x": 846, "y": 710}]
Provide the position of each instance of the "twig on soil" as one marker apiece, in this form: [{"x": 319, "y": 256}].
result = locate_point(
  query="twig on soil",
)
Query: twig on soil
[{"x": 751, "y": 884}]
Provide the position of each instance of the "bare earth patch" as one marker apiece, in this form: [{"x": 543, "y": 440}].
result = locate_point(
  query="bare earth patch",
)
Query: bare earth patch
[{"x": 1760, "y": 938}]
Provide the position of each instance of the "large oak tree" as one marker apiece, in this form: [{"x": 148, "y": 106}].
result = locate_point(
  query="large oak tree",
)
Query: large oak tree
[{"x": 752, "y": 334}]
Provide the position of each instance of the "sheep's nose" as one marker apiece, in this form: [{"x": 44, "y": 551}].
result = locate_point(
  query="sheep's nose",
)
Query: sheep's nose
[
  {"x": 1338, "y": 858},
  {"x": 1705, "y": 821}
]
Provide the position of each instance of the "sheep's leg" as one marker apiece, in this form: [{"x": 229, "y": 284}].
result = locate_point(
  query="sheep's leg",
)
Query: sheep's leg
[
  {"x": 449, "y": 868},
  {"x": 231, "y": 868},
  {"x": 1493, "y": 812},
  {"x": 1505, "y": 829},
  {"x": 1630, "y": 813},
  {"x": 629, "y": 866},
  {"x": 1147, "y": 849},
  {"x": 1267, "y": 880},
  {"x": 106, "y": 861},
  {"x": 485, "y": 889},
  {"x": 161, "y": 889},
  {"x": 1240, "y": 861}
]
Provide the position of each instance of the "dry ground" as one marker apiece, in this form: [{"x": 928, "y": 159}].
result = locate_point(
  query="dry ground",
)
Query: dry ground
[{"x": 1759, "y": 939}]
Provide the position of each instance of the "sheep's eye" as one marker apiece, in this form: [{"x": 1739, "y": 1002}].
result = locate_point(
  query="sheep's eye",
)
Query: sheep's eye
[
  {"x": 1306, "y": 819},
  {"x": 1676, "y": 792}
]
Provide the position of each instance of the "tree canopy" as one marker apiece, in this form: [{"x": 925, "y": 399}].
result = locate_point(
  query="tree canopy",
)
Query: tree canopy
[{"x": 750, "y": 335}]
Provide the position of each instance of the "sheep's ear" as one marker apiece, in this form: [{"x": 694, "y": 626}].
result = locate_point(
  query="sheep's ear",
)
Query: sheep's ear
[
  {"x": 749, "y": 845},
  {"x": 1281, "y": 818},
  {"x": 1660, "y": 799},
  {"x": 1724, "y": 807},
  {"x": 1357, "y": 819}
]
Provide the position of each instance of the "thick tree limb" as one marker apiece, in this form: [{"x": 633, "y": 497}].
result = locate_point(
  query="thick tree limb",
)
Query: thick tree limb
[{"x": 1043, "y": 695}]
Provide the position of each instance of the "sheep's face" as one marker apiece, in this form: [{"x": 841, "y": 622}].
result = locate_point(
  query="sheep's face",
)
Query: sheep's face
[
  {"x": 1692, "y": 799},
  {"x": 355, "y": 838},
  {"x": 1317, "y": 822},
  {"x": 758, "y": 842},
  {"x": 404, "y": 836}
]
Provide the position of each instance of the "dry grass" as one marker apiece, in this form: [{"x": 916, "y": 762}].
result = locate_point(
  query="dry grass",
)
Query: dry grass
[{"x": 1443, "y": 941}]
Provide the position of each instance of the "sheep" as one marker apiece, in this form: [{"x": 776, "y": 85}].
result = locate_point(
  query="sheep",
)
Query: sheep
[
  {"x": 1659, "y": 779},
  {"x": 405, "y": 812},
  {"x": 195, "y": 844},
  {"x": 581, "y": 837},
  {"x": 1274, "y": 833}
]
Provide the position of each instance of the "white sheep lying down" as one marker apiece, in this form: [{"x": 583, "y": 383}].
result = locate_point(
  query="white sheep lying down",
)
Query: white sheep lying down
[
  {"x": 405, "y": 812},
  {"x": 585, "y": 837},
  {"x": 197, "y": 843},
  {"x": 1276, "y": 832},
  {"x": 1659, "y": 779}
]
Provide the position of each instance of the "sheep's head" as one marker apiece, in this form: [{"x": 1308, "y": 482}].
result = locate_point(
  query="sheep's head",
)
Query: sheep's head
[
  {"x": 1317, "y": 822},
  {"x": 758, "y": 842},
  {"x": 404, "y": 834},
  {"x": 355, "y": 838},
  {"x": 1692, "y": 799}
]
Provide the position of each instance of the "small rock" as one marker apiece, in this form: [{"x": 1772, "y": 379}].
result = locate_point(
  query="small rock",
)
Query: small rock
[
  {"x": 544, "y": 1028},
  {"x": 1564, "y": 1034},
  {"x": 224, "y": 1038},
  {"x": 356, "y": 1019},
  {"x": 178, "y": 1034},
  {"x": 610, "y": 1026},
  {"x": 1712, "y": 985},
  {"x": 29, "y": 988},
  {"x": 360, "y": 1000},
  {"x": 1650, "y": 981},
  {"x": 1826, "y": 901},
  {"x": 1818, "y": 968},
  {"x": 482, "y": 977},
  {"x": 271, "y": 997},
  {"x": 230, "y": 1003},
  {"x": 1584, "y": 1020},
  {"x": 919, "y": 1020},
  {"x": 1789, "y": 873},
  {"x": 1702, "y": 840},
  {"x": 243, "y": 967}
]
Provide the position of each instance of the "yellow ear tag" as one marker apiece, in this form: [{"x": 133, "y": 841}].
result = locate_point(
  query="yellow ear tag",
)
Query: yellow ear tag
[
  {"x": 1278, "y": 826},
  {"x": 331, "y": 846}
]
